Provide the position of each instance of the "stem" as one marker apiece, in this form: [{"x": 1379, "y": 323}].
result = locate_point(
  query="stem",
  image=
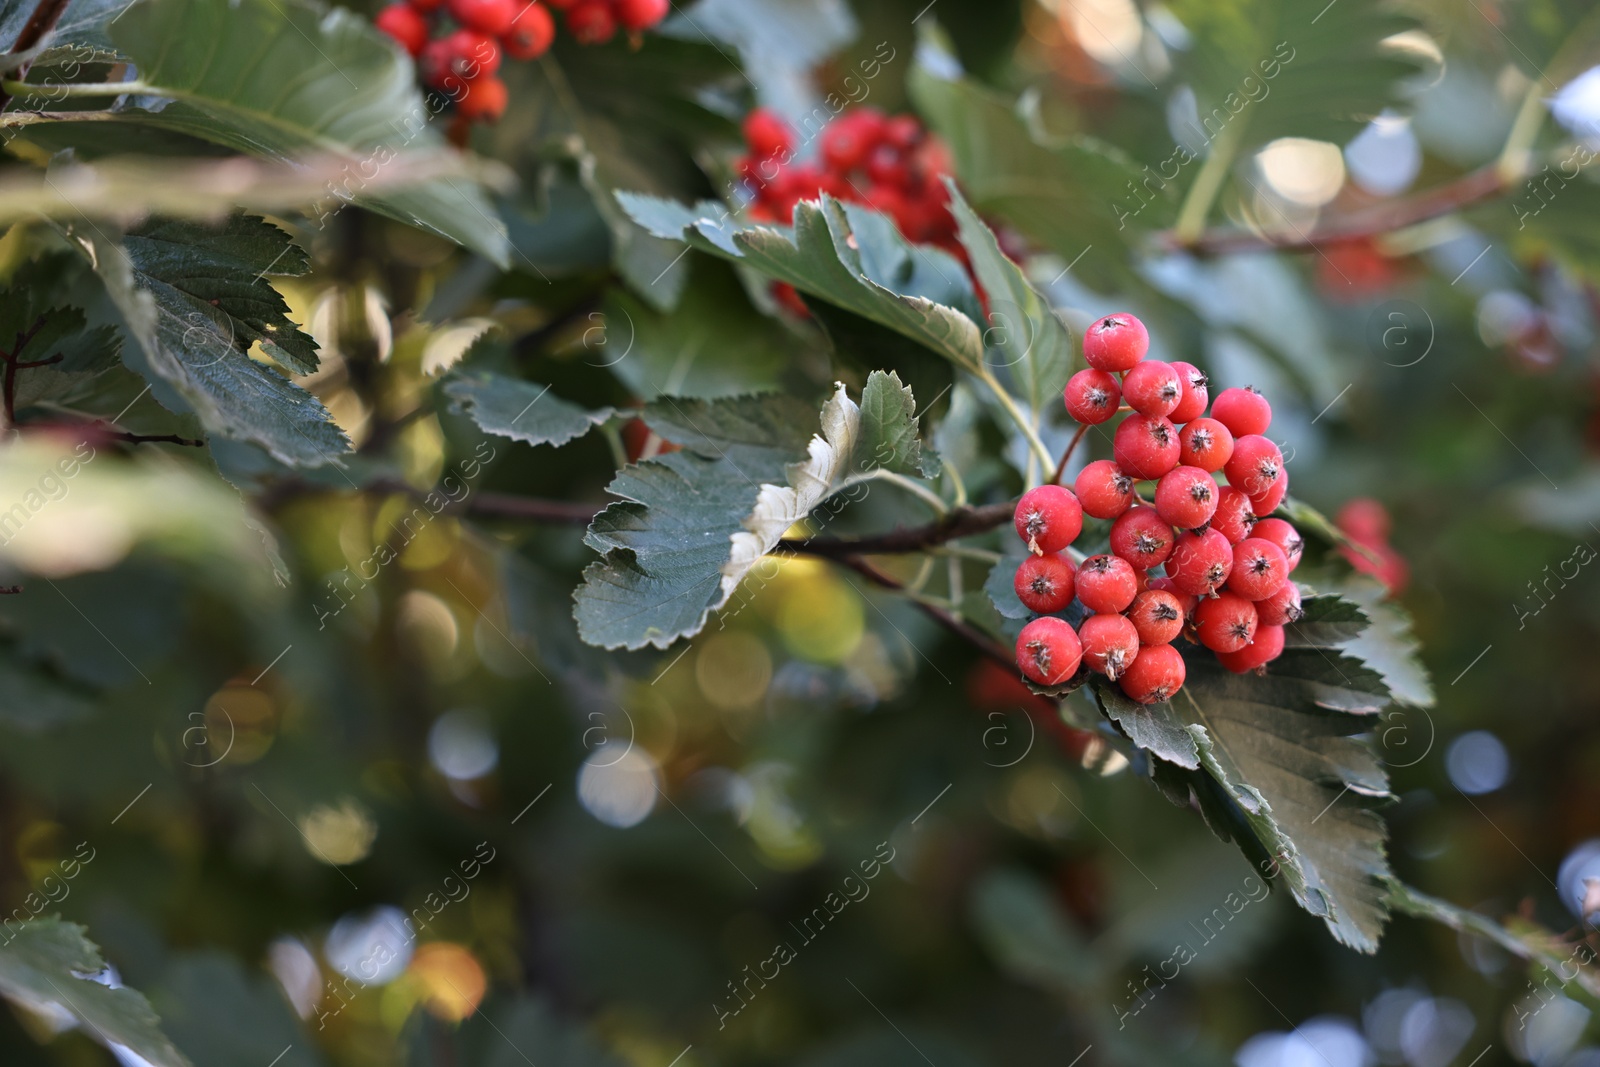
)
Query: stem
[
  {"x": 10, "y": 88},
  {"x": 956, "y": 523},
  {"x": 878, "y": 474},
  {"x": 1202, "y": 194},
  {"x": 1072, "y": 445},
  {"x": 41, "y": 22},
  {"x": 1516, "y": 157},
  {"x": 505, "y": 506},
  {"x": 1017, "y": 417},
  {"x": 973, "y": 636}
]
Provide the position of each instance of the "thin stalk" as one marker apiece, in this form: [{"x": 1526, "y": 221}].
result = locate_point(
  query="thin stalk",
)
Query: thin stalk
[
  {"x": 1010, "y": 405},
  {"x": 1207, "y": 185}
]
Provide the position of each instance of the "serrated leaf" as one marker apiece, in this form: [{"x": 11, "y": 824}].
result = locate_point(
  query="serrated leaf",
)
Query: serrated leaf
[
  {"x": 28, "y": 309},
  {"x": 285, "y": 80},
  {"x": 889, "y": 428},
  {"x": 882, "y": 278},
  {"x": 780, "y": 42},
  {"x": 218, "y": 272},
  {"x": 1328, "y": 621},
  {"x": 1153, "y": 727},
  {"x": 521, "y": 410},
  {"x": 1388, "y": 645},
  {"x": 49, "y": 966},
  {"x": 1001, "y": 586}
]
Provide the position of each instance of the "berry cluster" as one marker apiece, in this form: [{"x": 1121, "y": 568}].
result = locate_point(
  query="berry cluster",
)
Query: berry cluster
[
  {"x": 1198, "y": 559},
  {"x": 462, "y": 61},
  {"x": 1366, "y": 523},
  {"x": 889, "y": 163}
]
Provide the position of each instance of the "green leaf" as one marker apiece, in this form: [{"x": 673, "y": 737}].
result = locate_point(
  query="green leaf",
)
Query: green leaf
[
  {"x": 219, "y": 273},
  {"x": 35, "y": 701},
  {"x": 1001, "y": 586},
  {"x": 779, "y": 41},
  {"x": 1025, "y": 336},
  {"x": 1153, "y": 727},
  {"x": 692, "y": 523},
  {"x": 30, "y": 308},
  {"x": 521, "y": 410},
  {"x": 218, "y": 1012},
  {"x": 1388, "y": 645},
  {"x": 881, "y": 278},
  {"x": 48, "y": 966},
  {"x": 286, "y": 80},
  {"x": 1025, "y": 931},
  {"x": 1328, "y": 621},
  {"x": 889, "y": 433}
]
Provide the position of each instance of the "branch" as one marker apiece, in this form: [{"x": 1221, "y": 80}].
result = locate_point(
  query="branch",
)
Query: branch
[
  {"x": 1482, "y": 184},
  {"x": 507, "y": 506},
  {"x": 148, "y": 439},
  {"x": 958, "y": 522},
  {"x": 967, "y": 632},
  {"x": 40, "y": 23}
]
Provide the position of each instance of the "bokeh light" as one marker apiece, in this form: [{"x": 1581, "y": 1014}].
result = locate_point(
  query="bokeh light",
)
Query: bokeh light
[
  {"x": 461, "y": 746},
  {"x": 451, "y": 980},
  {"x": 1385, "y": 158},
  {"x": 339, "y": 835},
  {"x": 618, "y": 784},
  {"x": 372, "y": 947},
  {"x": 1477, "y": 763},
  {"x": 1302, "y": 171},
  {"x": 1327, "y": 1041}
]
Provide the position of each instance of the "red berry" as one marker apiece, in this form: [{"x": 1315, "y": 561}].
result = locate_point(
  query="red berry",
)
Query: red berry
[
  {"x": 1110, "y": 643},
  {"x": 1205, "y": 443},
  {"x": 637, "y": 15},
  {"x": 1186, "y": 497},
  {"x": 1267, "y": 646},
  {"x": 1255, "y": 467},
  {"x": 1364, "y": 520},
  {"x": 1115, "y": 343},
  {"x": 1233, "y": 517},
  {"x": 903, "y": 131},
  {"x": 531, "y": 34},
  {"x": 493, "y": 17},
  {"x": 1103, "y": 490},
  {"x": 1282, "y": 607},
  {"x": 563, "y": 5},
  {"x": 472, "y": 54},
  {"x": 1152, "y": 388},
  {"x": 1187, "y": 601},
  {"x": 1259, "y": 569},
  {"x": 1048, "y": 518},
  {"x": 1048, "y": 651},
  {"x": 1142, "y": 537},
  {"x": 887, "y": 166},
  {"x": 1146, "y": 446},
  {"x": 1200, "y": 563},
  {"x": 406, "y": 25},
  {"x": 848, "y": 139},
  {"x": 1044, "y": 584},
  {"x": 426, "y": 6},
  {"x": 1157, "y": 615},
  {"x": 1285, "y": 536},
  {"x": 1155, "y": 675},
  {"x": 1195, "y": 394},
  {"x": 1106, "y": 584},
  {"x": 485, "y": 99},
  {"x": 1268, "y": 502},
  {"x": 1092, "y": 396},
  {"x": 1242, "y": 411},
  {"x": 1225, "y": 623},
  {"x": 591, "y": 22}
]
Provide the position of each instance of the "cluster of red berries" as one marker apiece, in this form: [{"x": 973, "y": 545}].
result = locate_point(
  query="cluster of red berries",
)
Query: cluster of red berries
[
  {"x": 1223, "y": 580},
  {"x": 889, "y": 163},
  {"x": 463, "y": 61},
  {"x": 1366, "y": 523}
]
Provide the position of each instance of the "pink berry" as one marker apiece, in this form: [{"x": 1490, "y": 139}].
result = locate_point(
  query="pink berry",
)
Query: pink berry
[
  {"x": 1110, "y": 643},
  {"x": 1284, "y": 535},
  {"x": 1115, "y": 343},
  {"x": 1259, "y": 569},
  {"x": 1282, "y": 607},
  {"x": 1106, "y": 584},
  {"x": 1205, "y": 443},
  {"x": 1200, "y": 563},
  {"x": 1146, "y": 446},
  {"x": 767, "y": 134},
  {"x": 1242, "y": 411},
  {"x": 406, "y": 25},
  {"x": 1186, "y": 497},
  {"x": 493, "y": 17},
  {"x": 1142, "y": 537},
  {"x": 1255, "y": 467},
  {"x": 1048, "y": 519},
  {"x": 591, "y": 22},
  {"x": 1225, "y": 623},
  {"x": 1195, "y": 394},
  {"x": 1364, "y": 520},
  {"x": 473, "y": 55},
  {"x": 1268, "y": 502},
  {"x": 1103, "y": 490},
  {"x": 1157, "y": 615},
  {"x": 1048, "y": 651},
  {"x": 1267, "y": 646},
  {"x": 1152, "y": 388},
  {"x": 1233, "y": 517},
  {"x": 1044, "y": 584},
  {"x": 531, "y": 34},
  {"x": 1155, "y": 675},
  {"x": 849, "y": 139},
  {"x": 1186, "y": 601},
  {"x": 636, "y": 15},
  {"x": 1092, "y": 396}
]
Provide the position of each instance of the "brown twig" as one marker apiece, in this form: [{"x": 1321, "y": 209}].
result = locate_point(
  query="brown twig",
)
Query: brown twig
[
  {"x": 985, "y": 644},
  {"x": 507, "y": 506},
  {"x": 150, "y": 439},
  {"x": 8, "y": 391},
  {"x": 1072, "y": 446},
  {"x": 40, "y": 23},
  {"x": 1479, "y": 185},
  {"x": 959, "y": 522}
]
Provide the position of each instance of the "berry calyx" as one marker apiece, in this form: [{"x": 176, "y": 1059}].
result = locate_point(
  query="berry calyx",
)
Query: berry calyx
[
  {"x": 1259, "y": 569},
  {"x": 1044, "y": 584},
  {"x": 1048, "y": 651},
  {"x": 1142, "y": 538},
  {"x": 493, "y": 17},
  {"x": 1186, "y": 497},
  {"x": 1233, "y": 517},
  {"x": 1146, "y": 446},
  {"x": 1201, "y": 563},
  {"x": 1110, "y": 643},
  {"x": 1267, "y": 646},
  {"x": 1285, "y": 536},
  {"x": 1154, "y": 675},
  {"x": 1092, "y": 396},
  {"x": 532, "y": 34},
  {"x": 1242, "y": 411},
  {"x": 1255, "y": 468},
  {"x": 405, "y": 24},
  {"x": 1106, "y": 584},
  {"x": 1205, "y": 443},
  {"x": 1103, "y": 490},
  {"x": 1115, "y": 343},
  {"x": 1196, "y": 395},
  {"x": 1225, "y": 623},
  {"x": 1157, "y": 615},
  {"x": 1282, "y": 607},
  {"x": 1152, "y": 388},
  {"x": 1048, "y": 518}
]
